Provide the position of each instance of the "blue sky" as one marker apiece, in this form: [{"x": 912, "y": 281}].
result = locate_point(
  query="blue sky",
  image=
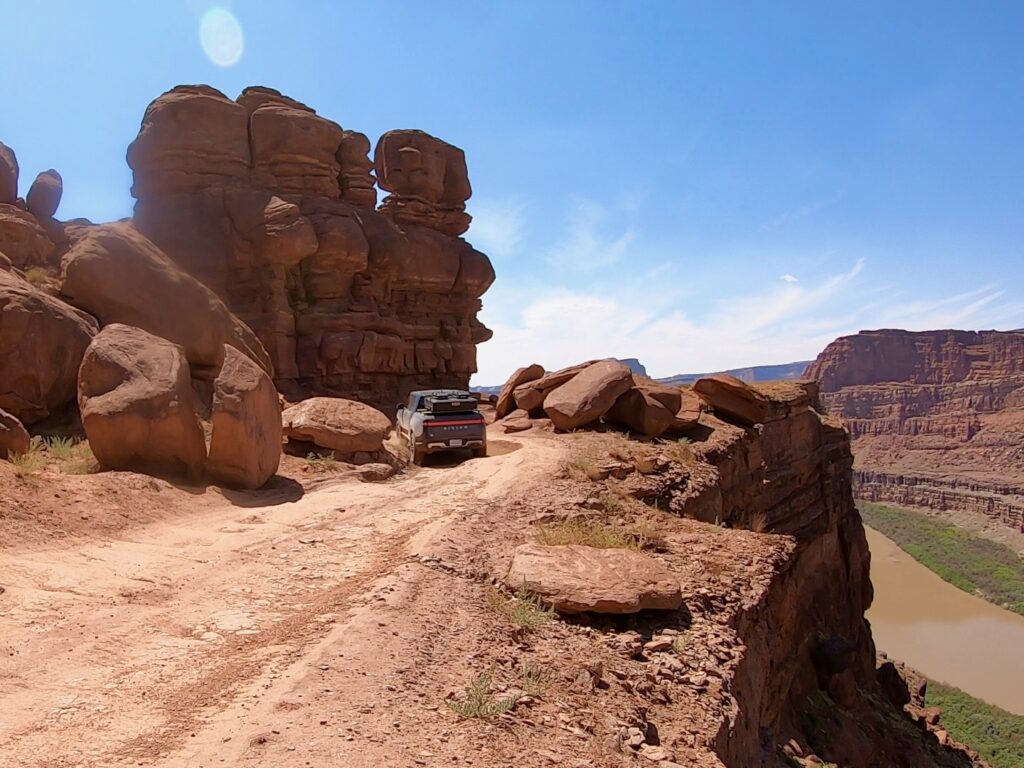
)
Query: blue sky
[{"x": 700, "y": 185}]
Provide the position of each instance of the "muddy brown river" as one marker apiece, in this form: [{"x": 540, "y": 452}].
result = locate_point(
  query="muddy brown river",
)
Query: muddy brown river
[{"x": 942, "y": 631}]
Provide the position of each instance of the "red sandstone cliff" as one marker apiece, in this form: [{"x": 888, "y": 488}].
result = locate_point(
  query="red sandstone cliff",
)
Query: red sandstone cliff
[{"x": 936, "y": 418}]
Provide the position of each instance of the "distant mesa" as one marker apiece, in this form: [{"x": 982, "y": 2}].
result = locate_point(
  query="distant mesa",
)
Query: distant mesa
[
  {"x": 936, "y": 417},
  {"x": 783, "y": 372}
]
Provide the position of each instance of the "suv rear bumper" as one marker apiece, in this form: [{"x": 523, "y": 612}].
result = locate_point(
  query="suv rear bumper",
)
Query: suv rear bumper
[{"x": 432, "y": 446}]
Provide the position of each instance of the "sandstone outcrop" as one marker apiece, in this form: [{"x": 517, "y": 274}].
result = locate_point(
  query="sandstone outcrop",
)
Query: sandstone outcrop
[
  {"x": 578, "y": 579},
  {"x": 588, "y": 395},
  {"x": 245, "y": 440},
  {"x": 936, "y": 417},
  {"x": 733, "y": 399},
  {"x": 517, "y": 421},
  {"x": 42, "y": 341},
  {"x": 506, "y": 398},
  {"x": 22, "y": 239},
  {"x": 8, "y": 175},
  {"x": 343, "y": 426},
  {"x": 44, "y": 195},
  {"x": 531, "y": 396},
  {"x": 119, "y": 276},
  {"x": 136, "y": 401},
  {"x": 647, "y": 409},
  {"x": 271, "y": 206},
  {"x": 14, "y": 438}
]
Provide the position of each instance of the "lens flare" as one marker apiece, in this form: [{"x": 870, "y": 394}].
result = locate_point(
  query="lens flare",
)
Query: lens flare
[{"x": 220, "y": 34}]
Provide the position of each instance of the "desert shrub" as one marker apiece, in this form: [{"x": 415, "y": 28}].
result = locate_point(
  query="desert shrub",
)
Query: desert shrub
[
  {"x": 996, "y": 734},
  {"x": 322, "y": 460},
  {"x": 37, "y": 275},
  {"x": 577, "y": 468},
  {"x": 30, "y": 462},
  {"x": 478, "y": 701},
  {"x": 59, "y": 447}
]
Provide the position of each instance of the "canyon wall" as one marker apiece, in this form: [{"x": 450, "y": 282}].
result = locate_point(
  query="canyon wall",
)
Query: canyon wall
[{"x": 936, "y": 417}]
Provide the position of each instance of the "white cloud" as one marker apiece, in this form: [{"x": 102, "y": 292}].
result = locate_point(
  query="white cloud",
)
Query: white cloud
[
  {"x": 802, "y": 212},
  {"x": 790, "y": 278},
  {"x": 590, "y": 243},
  {"x": 772, "y": 324},
  {"x": 498, "y": 226}
]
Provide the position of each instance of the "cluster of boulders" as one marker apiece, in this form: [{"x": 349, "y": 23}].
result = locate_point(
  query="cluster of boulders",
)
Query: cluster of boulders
[
  {"x": 607, "y": 390},
  {"x": 28, "y": 230}
]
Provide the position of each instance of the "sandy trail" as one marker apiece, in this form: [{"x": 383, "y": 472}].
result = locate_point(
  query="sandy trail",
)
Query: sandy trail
[{"x": 193, "y": 642}]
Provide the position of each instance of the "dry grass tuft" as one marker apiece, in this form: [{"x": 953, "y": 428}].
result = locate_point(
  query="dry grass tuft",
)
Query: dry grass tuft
[
  {"x": 586, "y": 533},
  {"x": 479, "y": 703},
  {"x": 576, "y": 468},
  {"x": 523, "y": 609}
]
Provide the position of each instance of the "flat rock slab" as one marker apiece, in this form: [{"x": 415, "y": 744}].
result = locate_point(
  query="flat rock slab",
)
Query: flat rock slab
[{"x": 578, "y": 579}]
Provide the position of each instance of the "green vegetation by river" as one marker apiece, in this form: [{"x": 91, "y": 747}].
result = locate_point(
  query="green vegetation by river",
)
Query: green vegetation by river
[
  {"x": 996, "y": 734},
  {"x": 976, "y": 565}
]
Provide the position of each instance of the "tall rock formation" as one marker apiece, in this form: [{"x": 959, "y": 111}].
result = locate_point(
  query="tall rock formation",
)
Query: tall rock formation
[
  {"x": 272, "y": 206},
  {"x": 936, "y": 418}
]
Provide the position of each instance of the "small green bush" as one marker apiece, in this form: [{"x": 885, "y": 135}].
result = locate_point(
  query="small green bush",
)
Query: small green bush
[{"x": 479, "y": 703}]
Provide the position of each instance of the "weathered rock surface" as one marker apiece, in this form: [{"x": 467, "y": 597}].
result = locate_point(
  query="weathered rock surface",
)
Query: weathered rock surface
[
  {"x": 647, "y": 409},
  {"x": 135, "y": 397},
  {"x": 22, "y": 239},
  {"x": 339, "y": 425},
  {"x": 517, "y": 421},
  {"x": 270, "y": 205},
  {"x": 14, "y": 438},
  {"x": 733, "y": 399},
  {"x": 42, "y": 341},
  {"x": 578, "y": 579},
  {"x": 936, "y": 417},
  {"x": 506, "y": 398},
  {"x": 689, "y": 412},
  {"x": 8, "y": 175},
  {"x": 245, "y": 442},
  {"x": 119, "y": 276},
  {"x": 588, "y": 395},
  {"x": 44, "y": 195}
]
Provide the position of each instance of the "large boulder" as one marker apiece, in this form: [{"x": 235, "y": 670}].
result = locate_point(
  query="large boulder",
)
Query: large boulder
[
  {"x": 343, "y": 426},
  {"x": 530, "y": 396},
  {"x": 14, "y": 438},
  {"x": 42, "y": 341},
  {"x": 647, "y": 409},
  {"x": 245, "y": 443},
  {"x": 589, "y": 395},
  {"x": 733, "y": 400},
  {"x": 22, "y": 238},
  {"x": 506, "y": 399},
  {"x": 578, "y": 579},
  {"x": 517, "y": 421},
  {"x": 44, "y": 195},
  {"x": 119, "y": 276},
  {"x": 135, "y": 396},
  {"x": 8, "y": 174},
  {"x": 689, "y": 411}
]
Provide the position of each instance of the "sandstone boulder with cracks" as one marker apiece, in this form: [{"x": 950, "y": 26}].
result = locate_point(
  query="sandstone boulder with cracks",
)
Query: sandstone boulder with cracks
[
  {"x": 589, "y": 395},
  {"x": 733, "y": 400},
  {"x": 14, "y": 438},
  {"x": 136, "y": 401},
  {"x": 245, "y": 442},
  {"x": 578, "y": 579},
  {"x": 506, "y": 399},
  {"x": 336, "y": 424}
]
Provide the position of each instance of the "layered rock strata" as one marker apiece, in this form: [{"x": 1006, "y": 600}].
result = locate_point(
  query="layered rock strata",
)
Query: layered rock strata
[
  {"x": 936, "y": 418},
  {"x": 272, "y": 206}
]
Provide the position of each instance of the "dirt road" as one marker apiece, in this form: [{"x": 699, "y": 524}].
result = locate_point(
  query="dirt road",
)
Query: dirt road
[{"x": 287, "y": 632}]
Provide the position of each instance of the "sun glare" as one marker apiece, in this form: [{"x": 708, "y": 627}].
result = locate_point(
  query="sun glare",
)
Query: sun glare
[{"x": 220, "y": 34}]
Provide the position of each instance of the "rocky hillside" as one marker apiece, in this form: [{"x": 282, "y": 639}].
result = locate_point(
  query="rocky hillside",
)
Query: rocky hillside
[{"x": 936, "y": 418}]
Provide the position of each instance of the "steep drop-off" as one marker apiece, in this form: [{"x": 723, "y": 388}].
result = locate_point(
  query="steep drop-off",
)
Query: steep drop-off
[{"x": 936, "y": 418}]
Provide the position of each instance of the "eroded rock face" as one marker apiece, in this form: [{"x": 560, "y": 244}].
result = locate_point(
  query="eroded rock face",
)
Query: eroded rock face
[
  {"x": 936, "y": 417},
  {"x": 42, "y": 341},
  {"x": 245, "y": 442},
  {"x": 506, "y": 399},
  {"x": 22, "y": 239},
  {"x": 339, "y": 425},
  {"x": 589, "y": 395},
  {"x": 135, "y": 397},
  {"x": 8, "y": 175},
  {"x": 271, "y": 206},
  {"x": 44, "y": 195},
  {"x": 119, "y": 276},
  {"x": 733, "y": 399},
  {"x": 647, "y": 409},
  {"x": 577, "y": 579},
  {"x": 14, "y": 438}
]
